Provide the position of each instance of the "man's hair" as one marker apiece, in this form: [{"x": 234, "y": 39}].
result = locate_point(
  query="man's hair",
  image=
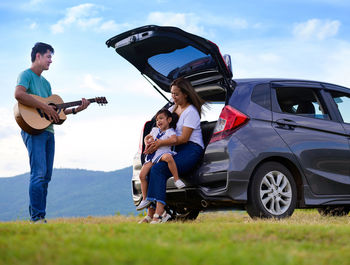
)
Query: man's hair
[{"x": 41, "y": 48}]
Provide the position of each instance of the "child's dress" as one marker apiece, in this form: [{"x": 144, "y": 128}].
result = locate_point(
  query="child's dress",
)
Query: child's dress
[{"x": 158, "y": 134}]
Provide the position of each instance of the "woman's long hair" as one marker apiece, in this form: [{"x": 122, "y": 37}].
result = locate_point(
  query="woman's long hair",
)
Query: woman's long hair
[{"x": 192, "y": 96}]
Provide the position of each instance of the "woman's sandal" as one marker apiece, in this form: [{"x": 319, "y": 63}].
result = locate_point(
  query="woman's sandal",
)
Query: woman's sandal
[
  {"x": 160, "y": 218},
  {"x": 147, "y": 219},
  {"x": 156, "y": 219}
]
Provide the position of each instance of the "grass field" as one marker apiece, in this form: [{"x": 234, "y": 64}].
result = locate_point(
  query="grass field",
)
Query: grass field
[{"x": 214, "y": 238}]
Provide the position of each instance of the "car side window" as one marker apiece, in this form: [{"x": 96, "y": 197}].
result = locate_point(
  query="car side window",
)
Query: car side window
[
  {"x": 261, "y": 96},
  {"x": 343, "y": 102},
  {"x": 301, "y": 101}
]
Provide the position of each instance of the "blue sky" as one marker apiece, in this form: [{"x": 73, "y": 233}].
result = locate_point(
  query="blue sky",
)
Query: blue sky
[{"x": 295, "y": 39}]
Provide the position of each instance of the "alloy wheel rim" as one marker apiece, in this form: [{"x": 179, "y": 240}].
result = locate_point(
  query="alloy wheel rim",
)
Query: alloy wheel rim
[{"x": 275, "y": 192}]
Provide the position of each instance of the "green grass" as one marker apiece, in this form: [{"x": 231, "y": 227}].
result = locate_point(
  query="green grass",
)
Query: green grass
[{"x": 214, "y": 238}]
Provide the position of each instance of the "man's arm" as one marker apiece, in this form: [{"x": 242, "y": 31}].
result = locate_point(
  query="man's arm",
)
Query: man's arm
[{"x": 24, "y": 98}]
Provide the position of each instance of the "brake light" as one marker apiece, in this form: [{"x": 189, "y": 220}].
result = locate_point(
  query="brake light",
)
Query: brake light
[
  {"x": 229, "y": 121},
  {"x": 141, "y": 138}
]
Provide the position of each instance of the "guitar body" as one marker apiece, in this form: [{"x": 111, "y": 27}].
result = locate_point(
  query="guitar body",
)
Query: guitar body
[{"x": 32, "y": 120}]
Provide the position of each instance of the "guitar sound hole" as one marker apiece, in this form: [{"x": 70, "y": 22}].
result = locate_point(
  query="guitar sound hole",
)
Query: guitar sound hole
[{"x": 42, "y": 115}]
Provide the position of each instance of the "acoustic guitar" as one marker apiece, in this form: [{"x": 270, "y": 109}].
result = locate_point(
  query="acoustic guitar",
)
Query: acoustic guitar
[{"x": 35, "y": 121}]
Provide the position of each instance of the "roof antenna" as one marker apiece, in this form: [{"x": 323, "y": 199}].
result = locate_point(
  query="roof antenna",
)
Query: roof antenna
[{"x": 171, "y": 103}]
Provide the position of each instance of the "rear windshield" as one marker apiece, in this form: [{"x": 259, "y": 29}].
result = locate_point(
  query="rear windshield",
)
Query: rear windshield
[{"x": 181, "y": 62}]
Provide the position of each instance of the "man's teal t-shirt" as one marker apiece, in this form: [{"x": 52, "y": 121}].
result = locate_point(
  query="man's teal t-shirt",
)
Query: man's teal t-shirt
[{"x": 35, "y": 85}]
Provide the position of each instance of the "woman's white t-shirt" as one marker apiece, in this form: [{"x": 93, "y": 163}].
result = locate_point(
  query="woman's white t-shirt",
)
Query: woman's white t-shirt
[{"x": 190, "y": 118}]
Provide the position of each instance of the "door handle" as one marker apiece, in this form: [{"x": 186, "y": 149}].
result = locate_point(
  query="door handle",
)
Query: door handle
[{"x": 286, "y": 124}]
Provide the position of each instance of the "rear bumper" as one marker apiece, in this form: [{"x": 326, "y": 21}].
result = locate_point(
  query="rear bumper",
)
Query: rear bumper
[{"x": 235, "y": 196}]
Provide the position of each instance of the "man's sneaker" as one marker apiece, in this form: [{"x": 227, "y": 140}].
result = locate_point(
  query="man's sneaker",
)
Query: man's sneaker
[
  {"x": 179, "y": 184},
  {"x": 144, "y": 204},
  {"x": 39, "y": 221}
]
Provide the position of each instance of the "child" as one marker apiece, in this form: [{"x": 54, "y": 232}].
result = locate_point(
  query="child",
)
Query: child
[{"x": 165, "y": 120}]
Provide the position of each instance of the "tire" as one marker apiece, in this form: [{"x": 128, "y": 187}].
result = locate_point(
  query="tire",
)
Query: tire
[
  {"x": 272, "y": 192},
  {"x": 184, "y": 214},
  {"x": 334, "y": 211}
]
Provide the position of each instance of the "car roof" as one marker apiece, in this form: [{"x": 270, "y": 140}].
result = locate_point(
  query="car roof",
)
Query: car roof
[{"x": 242, "y": 81}]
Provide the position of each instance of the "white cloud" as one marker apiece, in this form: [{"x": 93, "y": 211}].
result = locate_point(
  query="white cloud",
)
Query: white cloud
[
  {"x": 238, "y": 23},
  {"x": 33, "y": 26},
  {"x": 316, "y": 29},
  {"x": 327, "y": 62},
  {"x": 76, "y": 15},
  {"x": 186, "y": 21},
  {"x": 102, "y": 142},
  {"x": 13, "y": 154},
  {"x": 232, "y": 23},
  {"x": 86, "y": 16},
  {"x": 201, "y": 25},
  {"x": 35, "y": 2},
  {"x": 337, "y": 65},
  {"x": 106, "y": 143},
  {"x": 93, "y": 82},
  {"x": 269, "y": 58}
]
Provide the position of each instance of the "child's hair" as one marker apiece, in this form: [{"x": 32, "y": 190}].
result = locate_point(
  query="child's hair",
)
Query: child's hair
[{"x": 174, "y": 117}]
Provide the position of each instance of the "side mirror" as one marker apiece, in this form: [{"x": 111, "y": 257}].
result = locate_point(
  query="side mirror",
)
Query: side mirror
[{"x": 227, "y": 59}]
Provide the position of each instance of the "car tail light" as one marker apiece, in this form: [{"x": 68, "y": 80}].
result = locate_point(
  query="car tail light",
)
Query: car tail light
[
  {"x": 229, "y": 121},
  {"x": 141, "y": 138}
]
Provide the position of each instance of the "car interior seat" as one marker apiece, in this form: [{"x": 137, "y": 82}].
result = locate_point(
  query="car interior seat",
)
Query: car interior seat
[
  {"x": 306, "y": 107},
  {"x": 287, "y": 108}
]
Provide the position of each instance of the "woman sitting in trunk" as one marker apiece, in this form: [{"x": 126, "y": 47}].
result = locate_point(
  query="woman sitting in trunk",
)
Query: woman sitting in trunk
[{"x": 189, "y": 147}]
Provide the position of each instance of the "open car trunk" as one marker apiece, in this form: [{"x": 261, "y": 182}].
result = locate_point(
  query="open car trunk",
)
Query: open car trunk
[{"x": 166, "y": 53}]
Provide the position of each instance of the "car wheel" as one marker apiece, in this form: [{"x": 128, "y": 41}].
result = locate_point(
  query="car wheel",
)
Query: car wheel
[
  {"x": 334, "y": 211},
  {"x": 184, "y": 214},
  {"x": 272, "y": 193}
]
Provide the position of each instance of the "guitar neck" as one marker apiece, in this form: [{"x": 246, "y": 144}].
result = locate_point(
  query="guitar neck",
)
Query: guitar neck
[{"x": 73, "y": 103}]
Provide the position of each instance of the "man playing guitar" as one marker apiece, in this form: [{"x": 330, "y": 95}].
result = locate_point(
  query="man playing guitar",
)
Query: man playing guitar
[{"x": 41, "y": 147}]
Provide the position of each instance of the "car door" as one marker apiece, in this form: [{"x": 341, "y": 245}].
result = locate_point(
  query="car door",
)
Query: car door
[
  {"x": 339, "y": 97},
  {"x": 313, "y": 133}
]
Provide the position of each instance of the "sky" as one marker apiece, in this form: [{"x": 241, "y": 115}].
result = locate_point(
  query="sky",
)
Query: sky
[{"x": 308, "y": 39}]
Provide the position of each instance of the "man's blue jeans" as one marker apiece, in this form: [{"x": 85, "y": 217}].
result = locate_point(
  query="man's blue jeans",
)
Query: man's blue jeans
[
  {"x": 186, "y": 159},
  {"x": 41, "y": 151}
]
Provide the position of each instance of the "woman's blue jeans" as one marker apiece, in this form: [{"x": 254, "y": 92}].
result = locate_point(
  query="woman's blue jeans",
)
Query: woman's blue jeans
[
  {"x": 186, "y": 159},
  {"x": 41, "y": 151}
]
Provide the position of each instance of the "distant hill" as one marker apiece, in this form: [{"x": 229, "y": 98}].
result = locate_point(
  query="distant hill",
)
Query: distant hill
[{"x": 72, "y": 192}]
